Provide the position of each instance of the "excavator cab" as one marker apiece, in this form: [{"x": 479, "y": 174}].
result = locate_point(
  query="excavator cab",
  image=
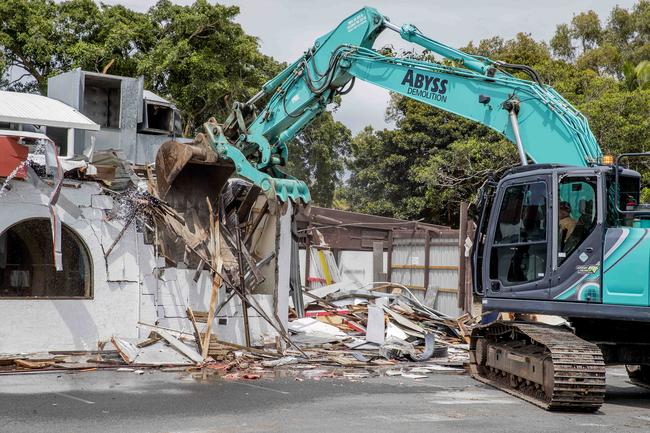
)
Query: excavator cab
[
  {"x": 545, "y": 224},
  {"x": 549, "y": 236},
  {"x": 571, "y": 242}
]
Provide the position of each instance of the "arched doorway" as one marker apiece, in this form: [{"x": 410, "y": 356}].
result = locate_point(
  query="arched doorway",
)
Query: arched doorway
[{"x": 27, "y": 265}]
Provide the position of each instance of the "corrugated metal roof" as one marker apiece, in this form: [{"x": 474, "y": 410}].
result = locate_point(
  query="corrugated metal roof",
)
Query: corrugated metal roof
[
  {"x": 25, "y": 134},
  {"x": 33, "y": 109}
]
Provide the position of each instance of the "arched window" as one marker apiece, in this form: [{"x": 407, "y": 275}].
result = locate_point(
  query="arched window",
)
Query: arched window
[{"x": 27, "y": 264}]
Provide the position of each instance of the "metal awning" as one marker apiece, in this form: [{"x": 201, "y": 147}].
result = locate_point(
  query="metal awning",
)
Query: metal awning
[{"x": 27, "y": 108}]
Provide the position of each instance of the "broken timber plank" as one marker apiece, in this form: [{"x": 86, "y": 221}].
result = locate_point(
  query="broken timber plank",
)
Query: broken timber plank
[
  {"x": 149, "y": 341},
  {"x": 217, "y": 263},
  {"x": 404, "y": 321},
  {"x": 215, "y": 341},
  {"x": 24, "y": 363},
  {"x": 197, "y": 335},
  {"x": 200, "y": 316}
]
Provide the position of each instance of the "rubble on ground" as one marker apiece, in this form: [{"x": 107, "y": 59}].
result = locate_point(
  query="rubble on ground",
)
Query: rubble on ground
[
  {"x": 381, "y": 332},
  {"x": 384, "y": 331}
]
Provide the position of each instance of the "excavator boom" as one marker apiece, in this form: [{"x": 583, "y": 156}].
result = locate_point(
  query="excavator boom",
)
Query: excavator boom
[{"x": 545, "y": 127}]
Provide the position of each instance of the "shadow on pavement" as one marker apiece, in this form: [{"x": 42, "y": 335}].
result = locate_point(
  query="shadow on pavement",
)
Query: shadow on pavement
[{"x": 630, "y": 396}]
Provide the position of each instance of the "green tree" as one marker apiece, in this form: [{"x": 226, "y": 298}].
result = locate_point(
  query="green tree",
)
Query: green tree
[
  {"x": 620, "y": 27},
  {"x": 457, "y": 172},
  {"x": 637, "y": 77},
  {"x": 523, "y": 49},
  {"x": 643, "y": 74},
  {"x": 110, "y": 39},
  {"x": 28, "y": 39},
  {"x": 562, "y": 43},
  {"x": 587, "y": 29},
  {"x": 620, "y": 121},
  {"x": 318, "y": 155},
  {"x": 42, "y": 38},
  {"x": 203, "y": 60}
]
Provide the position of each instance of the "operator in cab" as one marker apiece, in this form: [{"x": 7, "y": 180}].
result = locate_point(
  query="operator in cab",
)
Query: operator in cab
[{"x": 567, "y": 224}]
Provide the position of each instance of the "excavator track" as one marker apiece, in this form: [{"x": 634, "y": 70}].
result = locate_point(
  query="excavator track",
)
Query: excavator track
[{"x": 546, "y": 365}]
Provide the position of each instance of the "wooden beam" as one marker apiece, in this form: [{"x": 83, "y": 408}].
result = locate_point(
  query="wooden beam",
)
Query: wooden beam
[
  {"x": 217, "y": 264},
  {"x": 440, "y": 289},
  {"x": 427, "y": 258},
  {"x": 308, "y": 258},
  {"x": 461, "y": 255},
  {"x": 377, "y": 260},
  {"x": 389, "y": 267},
  {"x": 197, "y": 334}
]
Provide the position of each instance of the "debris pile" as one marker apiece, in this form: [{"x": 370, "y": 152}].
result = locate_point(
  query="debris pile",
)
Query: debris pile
[{"x": 355, "y": 333}]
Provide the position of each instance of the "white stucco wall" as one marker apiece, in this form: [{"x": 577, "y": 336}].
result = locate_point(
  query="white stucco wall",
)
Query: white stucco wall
[{"x": 29, "y": 325}]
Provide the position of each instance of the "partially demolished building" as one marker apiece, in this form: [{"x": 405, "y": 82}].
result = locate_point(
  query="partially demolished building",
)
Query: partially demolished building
[
  {"x": 128, "y": 261},
  {"x": 112, "y": 226}
]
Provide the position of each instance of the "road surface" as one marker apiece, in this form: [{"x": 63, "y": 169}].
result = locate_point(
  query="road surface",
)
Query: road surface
[{"x": 111, "y": 401}]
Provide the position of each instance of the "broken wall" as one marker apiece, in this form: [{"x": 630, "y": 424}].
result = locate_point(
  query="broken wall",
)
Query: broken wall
[{"x": 130, "y": 287}]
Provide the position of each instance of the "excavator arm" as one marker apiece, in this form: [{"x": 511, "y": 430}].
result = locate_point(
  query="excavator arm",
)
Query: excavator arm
[{"x": 545, "y": 127}]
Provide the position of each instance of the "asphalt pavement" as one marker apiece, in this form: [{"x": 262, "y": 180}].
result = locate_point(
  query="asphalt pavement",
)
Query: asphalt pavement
[{"x": 111, "y": 401}]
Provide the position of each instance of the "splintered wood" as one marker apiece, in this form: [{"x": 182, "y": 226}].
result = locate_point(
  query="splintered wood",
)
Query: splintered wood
[{"x": 214, "y": 248}]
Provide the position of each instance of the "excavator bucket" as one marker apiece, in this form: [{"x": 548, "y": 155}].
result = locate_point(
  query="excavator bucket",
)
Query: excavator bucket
[
  {"x": 193, "y": 168},
  {"x": 188, "y": 177}
]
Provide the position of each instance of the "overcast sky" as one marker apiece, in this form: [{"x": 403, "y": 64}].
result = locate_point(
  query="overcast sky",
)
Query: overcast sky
[{"x": 286, "y": 28}]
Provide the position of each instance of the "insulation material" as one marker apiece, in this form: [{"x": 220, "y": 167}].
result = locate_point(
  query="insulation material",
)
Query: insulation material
[{"x": 324, "y": 270}]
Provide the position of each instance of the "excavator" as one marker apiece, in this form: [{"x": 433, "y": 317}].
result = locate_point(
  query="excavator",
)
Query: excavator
[{"x": 561, "y": 234}]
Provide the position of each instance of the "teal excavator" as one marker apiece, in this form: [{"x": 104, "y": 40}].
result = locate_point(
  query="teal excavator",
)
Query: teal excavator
[{"x": 562, "y": 234}]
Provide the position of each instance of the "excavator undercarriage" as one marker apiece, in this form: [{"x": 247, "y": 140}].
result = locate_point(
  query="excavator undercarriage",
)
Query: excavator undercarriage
[{"x": 546, "y": 365}]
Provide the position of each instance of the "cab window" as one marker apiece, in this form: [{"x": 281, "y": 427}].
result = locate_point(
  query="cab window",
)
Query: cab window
[
  {"x": 576, "y": 213},
  {"x": 519, "y": 248}
]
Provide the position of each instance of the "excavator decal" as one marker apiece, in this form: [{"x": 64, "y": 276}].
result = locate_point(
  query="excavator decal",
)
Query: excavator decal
[{"x": 426, "y": 86}]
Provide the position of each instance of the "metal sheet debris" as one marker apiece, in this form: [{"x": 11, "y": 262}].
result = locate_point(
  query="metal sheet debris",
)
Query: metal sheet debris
[
  {"x": 158, "y": 353},
  {"x": 376, "y": 329}
]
